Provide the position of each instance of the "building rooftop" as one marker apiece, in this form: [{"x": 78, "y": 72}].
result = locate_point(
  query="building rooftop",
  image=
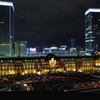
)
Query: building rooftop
[
  {"x": 92, "y": 10},
  {"x": 6, "y": 3},
  {"x": 49, "y": 56}
]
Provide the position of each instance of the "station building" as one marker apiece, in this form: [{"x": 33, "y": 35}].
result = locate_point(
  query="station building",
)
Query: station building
[{"x": 27, "y": 66}]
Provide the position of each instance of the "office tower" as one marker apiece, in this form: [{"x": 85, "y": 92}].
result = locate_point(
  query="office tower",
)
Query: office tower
[
  {"x": 71, "y": 43},
  {"x": 20, "y": 48},
  {"x": 6, "y": 28},
  {"x": 92, "y": 30}
]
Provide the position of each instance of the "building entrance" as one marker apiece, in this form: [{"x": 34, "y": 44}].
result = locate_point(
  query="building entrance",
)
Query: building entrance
[{"x": 18, "y": 68}]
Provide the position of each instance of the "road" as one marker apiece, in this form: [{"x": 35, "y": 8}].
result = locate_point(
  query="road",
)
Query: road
[
  {"x": 53, "y": 84},
  {"x": 84, "y": 90},
  {"x": 40, "y": 86}
]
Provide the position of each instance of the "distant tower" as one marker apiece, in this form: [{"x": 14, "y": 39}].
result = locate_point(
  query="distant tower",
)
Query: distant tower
[
  {"x": 71, "y": 43},
  {"x": 63, "y": 45},
  {"x": 6, "y": 28},
  {"x": 92, "y": 30},
  {"x": 20, "y": 48}
]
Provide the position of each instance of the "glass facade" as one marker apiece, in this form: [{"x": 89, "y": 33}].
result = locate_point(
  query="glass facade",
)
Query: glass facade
[
  {"x": 92, "y": 30},
  {"x": 20, "y": 48},
  {"x": 6, "y": 28}
]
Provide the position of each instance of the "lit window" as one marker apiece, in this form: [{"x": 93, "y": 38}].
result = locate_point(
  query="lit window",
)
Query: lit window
[
  {"x": 2, "y": 22},
  {"x": 4, "y": 44},
  {"x": 11, "y": 37},
  {"x": 1, "y": 60},
  {"x": 22, "y": 44},
  {"x": 36, "y": 59},
  {"x": 25, "y": 59},
  {"x": 10, "y": 60}
]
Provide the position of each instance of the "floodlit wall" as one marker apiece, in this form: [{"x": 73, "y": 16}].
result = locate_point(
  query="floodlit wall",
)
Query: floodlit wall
[{"x": 42, "y": 66}]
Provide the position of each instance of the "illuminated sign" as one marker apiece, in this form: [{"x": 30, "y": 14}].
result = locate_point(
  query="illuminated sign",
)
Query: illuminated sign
[
  {"x": 46, "y": 48},
  {"x": 33, "y": 49},
  {"x": 53, "y": 48},
  {"x": 92, "y": 10}
]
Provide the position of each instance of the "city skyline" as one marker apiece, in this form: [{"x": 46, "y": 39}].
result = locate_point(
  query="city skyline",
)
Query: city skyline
[{"x": 47, "y": 23}]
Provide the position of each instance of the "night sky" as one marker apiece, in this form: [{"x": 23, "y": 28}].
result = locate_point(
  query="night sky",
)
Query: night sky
[{"x": 43, "y": 23}]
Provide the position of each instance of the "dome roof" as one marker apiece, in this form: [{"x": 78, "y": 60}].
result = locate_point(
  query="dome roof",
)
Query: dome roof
[{"x": 50, "y": 55}]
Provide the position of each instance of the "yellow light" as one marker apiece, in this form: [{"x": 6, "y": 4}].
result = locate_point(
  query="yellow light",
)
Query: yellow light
[
  {"x": 38, "y": 72},
  {"x": 58, "y": 69},
  {"x": 74, "y": 69},
  {"x": 97, "y": 64},
  {"x": 34, "y": 71},
  {"x": 22, "y": 73},
  {"x": 4, "y": 44},
  {"x": 52, "y": 62},
  {"x": 25, "y": 71},
  {"x": 22, "y": 44},
  {"x": 80, "y": 70},
  {"x": 25, "y": 84}
]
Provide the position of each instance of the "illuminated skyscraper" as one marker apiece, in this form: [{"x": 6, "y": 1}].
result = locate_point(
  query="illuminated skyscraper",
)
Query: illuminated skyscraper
[
  {"x": 92, "y": 30},
  {"x": 6, "y": 28}
]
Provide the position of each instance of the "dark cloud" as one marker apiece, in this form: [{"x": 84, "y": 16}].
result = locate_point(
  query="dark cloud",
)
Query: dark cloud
[{"x": 47, "y": 22}]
